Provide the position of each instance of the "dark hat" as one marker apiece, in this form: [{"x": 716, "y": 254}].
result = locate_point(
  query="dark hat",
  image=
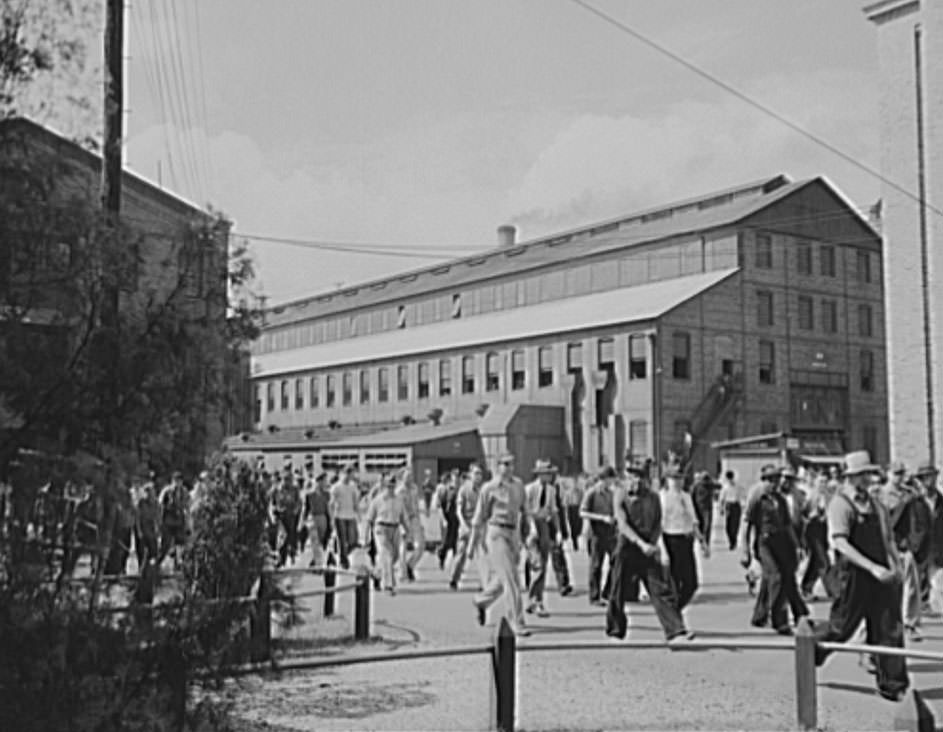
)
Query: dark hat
[
  {"x": 927, "y": 468},
  {"x": 769, "y": 472},
  {"x": 607, "y": 473}
]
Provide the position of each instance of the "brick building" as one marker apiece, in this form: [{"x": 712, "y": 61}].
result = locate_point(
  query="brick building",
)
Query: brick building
[
  {"x": 910, "y": 41},
  {"x": 753, "y": 309},
  {"x": 178, "y": 253}
]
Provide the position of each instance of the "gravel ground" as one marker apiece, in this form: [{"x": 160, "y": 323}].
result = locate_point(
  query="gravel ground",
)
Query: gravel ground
[{"x": 621, "y": 689}]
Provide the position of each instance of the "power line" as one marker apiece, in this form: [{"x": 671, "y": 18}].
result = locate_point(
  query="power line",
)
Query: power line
[{"x": 730, "y": 89}]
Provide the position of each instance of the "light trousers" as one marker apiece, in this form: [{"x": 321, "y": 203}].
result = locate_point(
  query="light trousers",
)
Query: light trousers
[
  {"x": 911, "y": 594},
  {"x": 387, "y": 540},
  {"x": 417, "y": 535},
  {"x": 504, "y": 558},
  {"x": 461, "y": 556}
]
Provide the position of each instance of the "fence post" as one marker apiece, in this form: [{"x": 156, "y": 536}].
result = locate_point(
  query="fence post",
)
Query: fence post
[
  {"x": 261, "y": 622},
  {"x": 362, "y": 607},
  {"x": 806, "y": 683},
  {"x": 503, "y": 658},
  {"x": 330, "y": 579}
]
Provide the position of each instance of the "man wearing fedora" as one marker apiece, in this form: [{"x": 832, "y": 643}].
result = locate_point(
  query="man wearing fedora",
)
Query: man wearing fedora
[
  {"x": 502, "y": 505},
  {"x": 640, "y": 552},
  {"x": 545, "y": 533},
  {"x": 869, "y": 580}
]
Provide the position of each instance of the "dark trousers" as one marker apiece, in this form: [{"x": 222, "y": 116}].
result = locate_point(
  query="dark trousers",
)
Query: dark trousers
[
  {"x": 705, "y": 519},
  {"x": 778, "y": 558},
  {"x": 732, "y": 513},
  {"x": 347, "y": 539},
  {"x": 575, "y": 522},
  {"x": 289, "y": 547},
  {"x": 861, "y": 597},
  {"x": 449, "y": 538},
  {"x": 629, "y": 563},
  {"x": 682, "y": 566},
  {"x": 816, "y": 540},
  {"x": 145, "y": 547},
  {"x": 118, "y": 553},
  {"x": 600, "y": 547}
]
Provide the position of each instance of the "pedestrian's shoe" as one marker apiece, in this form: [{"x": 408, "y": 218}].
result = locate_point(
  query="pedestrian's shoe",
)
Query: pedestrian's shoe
[
  {"x": 453, "y": 585},
  {"x": 601, "y": 603},
  {"x": 894, "y": 695},
  {"x": 480, "y": 612},
  {"x": 785, "y": 630},
  {"x": 522, "y": 632},
  {"x": 542, "y": 611},
  {"x": 568, "y": 590},
  {"x": 682, "y": 637},
  {"x": 913, "y": 634},
  {"x": 808, "y": 596},
  {"x": 759, "y": 622},
  {"x": 532, "y": 608},
  {"x": 391, "y": 590},
  {"x": 410, "y": 574}
]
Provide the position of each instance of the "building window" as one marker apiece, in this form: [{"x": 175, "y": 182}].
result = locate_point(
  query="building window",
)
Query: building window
[
  {"x": 518, "y": 370},
  {"x": 492, "y": 374},
  {"x": 257, "y": 411},
  {"x": 299, "y": 394},
  {"x": 764, "y": 251},
  {"x": 865, "y": 318},
  {"x": 545, "y": 366},
  {"x": 445, "y": 377},
  {"x": 764, "y": 308},
  {"x": 681, "y": 355},
  {"x": 284, "y": 391},
  {"x": 638, "y": 438},
  {"x": 829, "y": 316},
  {"x": 767, "y": 362},
  {"x": 806, "y": 317},
  {"x": 402, "y": 382},
  {"x": 314, "y": 397},
  {"x": 401, "y": 316},
  {"x": 457, "y": 305},
  {"x": 804, "y": 258},
  {"x": 270, "y": 396},
  {"x": 867, "y": 370},
  {"x": 422, "y": 380},
  {"x": 864, "y": 267},
  {"x": 330, "y": 398},
  {"x": 347, "y": 388},
  {"x": 827, "y": 261},
  {"x": 383, "y": 385},
  {"x": 638, "y": 357},
  {"x": 468, "y": 375},
  {"x": 365, "y": 387},
  {"x": 574, "y": 358},
  {"x": 606, "y": 352}
]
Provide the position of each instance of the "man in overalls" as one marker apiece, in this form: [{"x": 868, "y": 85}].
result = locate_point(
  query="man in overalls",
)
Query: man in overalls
[
  {"x": 501, "y": 506},
  {"x": 869, "y": 580},
  {"x": 597, "y": 511},
  {"x": 467, "y": 504},
  {"x": 385, "y": 515},
  {"x": 640, "y": 553}
]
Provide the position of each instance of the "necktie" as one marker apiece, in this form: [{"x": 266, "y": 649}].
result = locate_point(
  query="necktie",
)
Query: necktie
[{"x": 543, "y": 496}]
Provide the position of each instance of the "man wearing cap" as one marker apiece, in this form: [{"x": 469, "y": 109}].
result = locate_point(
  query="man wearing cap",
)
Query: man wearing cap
[
  {"x": 639, "y": 552},
  {"x": 869, "y": 585},
  {"x": 174, "y": 504},
  {"x": 896, "y": 497},
  {"x": 345, "y": 508},
  {"x": 679, "y": 530},
  {"x": 545, "y": 530},
  {"x": 385, "y": 515},
  {"x": 467, "y": 504},
  {"x": 447, "y": 499},
  {"x": 501, "y": 506},
  {"x": 414, "y": 538},
  {"x": 597, "y": 511}
]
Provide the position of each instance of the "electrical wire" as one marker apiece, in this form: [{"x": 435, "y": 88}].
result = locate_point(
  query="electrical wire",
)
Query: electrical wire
[{"x": 742, "y": 96}]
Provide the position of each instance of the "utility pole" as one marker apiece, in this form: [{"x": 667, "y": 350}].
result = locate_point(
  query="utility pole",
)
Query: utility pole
[{"x": 114, "y": 109}]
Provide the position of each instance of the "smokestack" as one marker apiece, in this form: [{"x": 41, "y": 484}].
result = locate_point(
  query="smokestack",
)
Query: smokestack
[{"x": 507, "y": 235}]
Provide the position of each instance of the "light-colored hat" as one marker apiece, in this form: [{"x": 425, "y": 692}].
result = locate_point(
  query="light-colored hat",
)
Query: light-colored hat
[
  {"x": 788, "y": 472},
  {"x": 927, "y": 468},
  {"x": 859, "y": 462},
  {"x": 544, "y": 466}
]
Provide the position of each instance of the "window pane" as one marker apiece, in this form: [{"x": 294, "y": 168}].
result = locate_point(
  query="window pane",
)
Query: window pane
[
  {"x": 545, "y": 366},
  {"x": 315, "y": 397},
  {"x": 331, "y": 395},
  {"x": 517, "y": 370},
  {"x": 665, "y": 262},
  {"x": 805, "y": 313},
  {"x": 804, "y": 258},
  {"x": 468, "y": 375},
  {"x": 638, "y": 353},
  {"x": 767, "y": 365},
  {"x": 383, "y": 384},
  {"x": 423, "y": 380},
  {"x": 633, "y": 270},
  {"x": 347, "y": 388},
  {"x": 402, "y": 382},
  {"x": 492, "y": 376},
  {"x": 764, "y": 251},
  {"x": 574, "y": 357},
  {"x": 691, "y": 258},
  {"x": 681, "y": 350},
  {"x": 607, "y": 351},
  {"x": 445, "y": 377},
  {"x": 605, "y": 276},
  {"x": 365, "y": 387},
  {"x": 299, "y": 394}
]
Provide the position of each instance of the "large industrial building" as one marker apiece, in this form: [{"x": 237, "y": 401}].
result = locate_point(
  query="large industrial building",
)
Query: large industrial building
[
  {"x": 757, "y": 309},
  {"x": 910, "y": 42}
]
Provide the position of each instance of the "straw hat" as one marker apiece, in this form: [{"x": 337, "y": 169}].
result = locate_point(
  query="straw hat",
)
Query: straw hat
[{"x": 859, "y": 462}]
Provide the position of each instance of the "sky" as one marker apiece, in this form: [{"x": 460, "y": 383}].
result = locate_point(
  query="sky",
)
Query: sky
[{"x": 423, "y": 125}]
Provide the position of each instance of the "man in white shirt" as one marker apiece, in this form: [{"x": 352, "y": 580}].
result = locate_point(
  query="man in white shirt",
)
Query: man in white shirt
[
  {"x": 467, "y": 503},
  {"x": 345, "y": 509},
  {"x": 542, "y": 504},
  {"x": 733, "y": 499}
]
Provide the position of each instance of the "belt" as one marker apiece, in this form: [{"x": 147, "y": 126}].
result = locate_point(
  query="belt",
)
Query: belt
[
  {"x": 388, "y": 525},
  {"x": 501, "y": 525}
]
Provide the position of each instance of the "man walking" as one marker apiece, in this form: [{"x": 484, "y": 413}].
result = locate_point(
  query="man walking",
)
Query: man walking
[
  {"x": 732, "y": 499},
  {"x": 544, "y": 534},
  {"x": 703, "y": 493},
  {"x": 414, "y": 538},
  {"x": 316, "y": 516},
  {"x": 869, "y": 576},
  {"x": 385, "y": 515},
  {"x": 597, "y": 510},
  {"x": 467, "y": 504},
  {"x": 639, "y": 553},
  {"x": 345, "y": 508},
  {"x": 447, "y": 496},
  {"x": 501, "y": 506},
  {"x": 573, "y": 493}
]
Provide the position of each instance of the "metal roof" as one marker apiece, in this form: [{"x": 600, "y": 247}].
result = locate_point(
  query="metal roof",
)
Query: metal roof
[
  {"x": 718, "y": 209},
  {"x": 623, "y": 305}
]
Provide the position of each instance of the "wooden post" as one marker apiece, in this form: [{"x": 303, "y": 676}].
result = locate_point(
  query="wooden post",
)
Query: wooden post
[
  {"x": 503, "y": 658},
  {"x": 261, "y": 623},
  {"x": 806, "y": 684},
  {"x": 362, "y": 607},
  {"x": 330, "y": 580}
]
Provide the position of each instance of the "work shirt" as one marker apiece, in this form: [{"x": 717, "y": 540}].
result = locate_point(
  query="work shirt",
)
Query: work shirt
[
  {"x": 845, "y": 510},
  {"x": 573, "y": 494},
  {"x": 447, "y": 495},
  {"x": 467, "y": 501},
  {"x": 316, "y": 502},
  {"x": 287, "y": 498},
  {"x": 598, "y": 499},
  {"x": 345, "y": 495},
  {"x": 542, "y": 500},
  {"x": 677, "y": 512},
  {"x": 501, "y": 503},
  {"x": 148, "y": 516},
  {"x": 733, "y": 492},
  {"x": 386, "y": 510},
  {"x": 770, "y": 514},
  {"x": 409, "y": 494},
  {"x": 643, "y": 512}
]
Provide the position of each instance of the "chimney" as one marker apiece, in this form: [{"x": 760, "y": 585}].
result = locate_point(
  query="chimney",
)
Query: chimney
[{"x": 507, "y": 235}]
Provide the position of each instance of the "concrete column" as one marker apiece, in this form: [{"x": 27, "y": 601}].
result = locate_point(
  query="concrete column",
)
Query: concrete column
[
  {"x": 590, "y": 431},
  {"x": 531, "y": 364}
]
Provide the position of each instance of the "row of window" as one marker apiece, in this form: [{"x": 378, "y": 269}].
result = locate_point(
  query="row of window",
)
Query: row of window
[
  {"x": 828, "y": 309},
  {"x": 805, "y": 259},
  {"x": 766, "y": 372},
  {"x": 652, "y": 265},
  {"x": 292, "y": 394}
]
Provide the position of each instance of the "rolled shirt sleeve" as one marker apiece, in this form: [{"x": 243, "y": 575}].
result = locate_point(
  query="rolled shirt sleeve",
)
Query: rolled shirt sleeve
[{"x": 841, "y": 517}]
